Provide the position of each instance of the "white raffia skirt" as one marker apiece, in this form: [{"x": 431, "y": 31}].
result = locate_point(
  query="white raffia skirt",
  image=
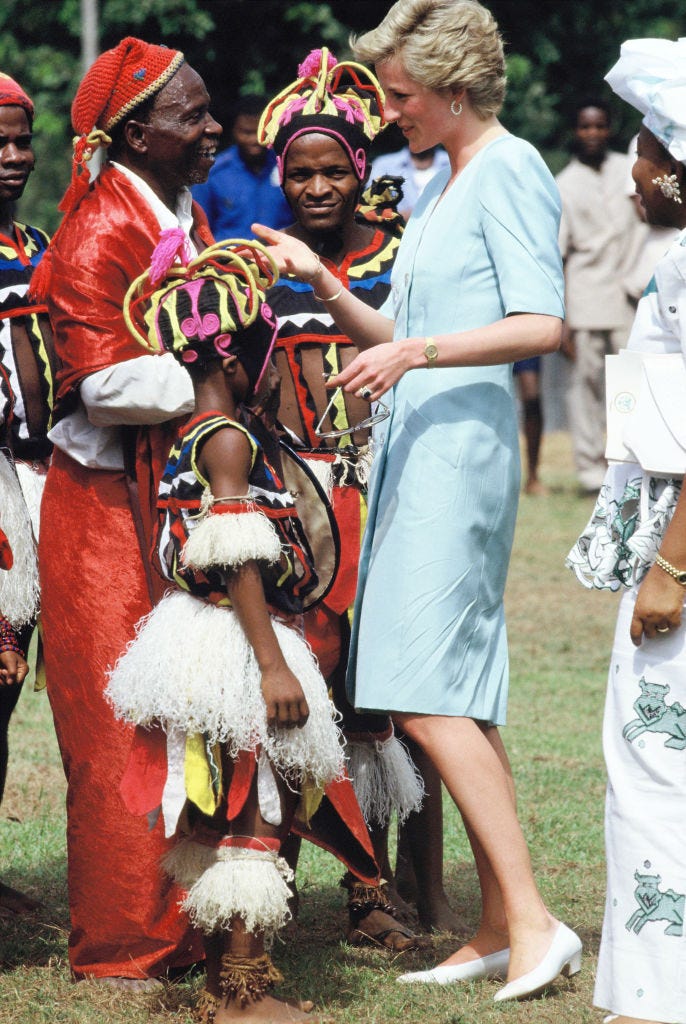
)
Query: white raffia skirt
[{"x": 190, "y": 669}]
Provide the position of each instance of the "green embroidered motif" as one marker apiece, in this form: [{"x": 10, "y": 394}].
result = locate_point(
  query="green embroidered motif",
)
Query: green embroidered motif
[
  {"x": 655, "y": 905},
  {"x": 623, "y": 526},
  {"x": 655, "y": 715}
]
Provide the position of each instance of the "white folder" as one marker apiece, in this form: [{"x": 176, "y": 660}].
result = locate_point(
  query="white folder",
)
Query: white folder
[{"x": 646, "y": 411}]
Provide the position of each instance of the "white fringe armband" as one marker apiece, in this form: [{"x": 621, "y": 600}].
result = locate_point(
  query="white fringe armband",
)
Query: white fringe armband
[
  {"x": 187, "y": 861},
  {"x": 385, "y": 779},
  {"x": 228, "y": 539},
  {"x": 250, "y": 884}
]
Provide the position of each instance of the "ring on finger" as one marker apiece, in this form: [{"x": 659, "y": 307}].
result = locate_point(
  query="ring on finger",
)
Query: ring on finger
[
  {"x": 365, "y": 392},
  {"x": 662, "y": 629}
]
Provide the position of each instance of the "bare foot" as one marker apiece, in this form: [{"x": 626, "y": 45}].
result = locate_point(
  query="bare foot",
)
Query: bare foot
[
  {"x": 132, "y": 985},
  {"x": 380, "y": 929},
  {"x": 537, "y": 488},
  {"x": 12, "y": 901},
  {"x": 403, "y": 911},
  {"x": 405, "y": 878},
  {"x": 267, "y": 1010},
  {"x": 436, "y": 914}
]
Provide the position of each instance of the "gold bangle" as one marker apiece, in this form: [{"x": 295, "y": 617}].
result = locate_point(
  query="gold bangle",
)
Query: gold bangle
[
  {"x": 317, "y": 269},
  {"x": 677, "y": 574},
  {"x": 330, "y": 298}
]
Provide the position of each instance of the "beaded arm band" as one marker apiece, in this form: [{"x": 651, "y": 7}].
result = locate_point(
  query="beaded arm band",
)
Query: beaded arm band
[{"x": 8, "y": 638}]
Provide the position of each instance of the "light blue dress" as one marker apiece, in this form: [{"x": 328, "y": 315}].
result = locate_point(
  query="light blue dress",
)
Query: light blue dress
[{"x": 429, "y": 629}]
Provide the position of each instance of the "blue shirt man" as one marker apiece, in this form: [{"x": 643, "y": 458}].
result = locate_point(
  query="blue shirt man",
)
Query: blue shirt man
[{"x": 243, "y": 186}]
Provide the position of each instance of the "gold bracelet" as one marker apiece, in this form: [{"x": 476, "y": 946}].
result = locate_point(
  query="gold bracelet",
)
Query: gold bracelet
[
  {"x": 678, "y": 574},
  {"x": 330, "y": 298},
  {"x": 317, "y": 269}
]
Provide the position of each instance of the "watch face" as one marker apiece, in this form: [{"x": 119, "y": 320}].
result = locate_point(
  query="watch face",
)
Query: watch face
[{"x": 431, "y": 352}]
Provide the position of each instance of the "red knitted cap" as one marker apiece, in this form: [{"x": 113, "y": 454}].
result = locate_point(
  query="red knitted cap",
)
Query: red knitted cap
[
  {"x": 12, "y": 95},
  {"x": 119, "y": 80}
]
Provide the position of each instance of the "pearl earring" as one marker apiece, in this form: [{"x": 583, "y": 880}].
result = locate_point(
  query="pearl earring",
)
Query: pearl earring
[
  {"x": 456, "y": 112},
  {"x": 669, "y": 187}
]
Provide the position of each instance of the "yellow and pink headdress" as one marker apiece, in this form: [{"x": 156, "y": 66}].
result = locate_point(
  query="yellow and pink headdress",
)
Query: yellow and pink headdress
[
  {"x": 343, "y": 100},
  {"x": 208, "y": 307}
]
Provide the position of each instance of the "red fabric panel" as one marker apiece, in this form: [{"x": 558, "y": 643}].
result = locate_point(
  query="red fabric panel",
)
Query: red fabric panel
[
  {"x": 125, "y": 917},
  {"x": 322, "y": 627},
  {"x": 143, "y": 780},
  {"x": 346, "y": 507},
  {"x": 6, "y": 556},
  {"x": 241, "y": 781},
  {"x": 338, "y": 826},
  {"x": 323, "y": 634}
]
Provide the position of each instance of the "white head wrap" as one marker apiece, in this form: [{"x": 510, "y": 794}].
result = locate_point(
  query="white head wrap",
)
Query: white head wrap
[{"x": 651, "y": 75}]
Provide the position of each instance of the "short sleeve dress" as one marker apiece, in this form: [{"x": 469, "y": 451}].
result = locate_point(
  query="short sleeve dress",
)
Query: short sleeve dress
[{"x": 429, "y": 630}]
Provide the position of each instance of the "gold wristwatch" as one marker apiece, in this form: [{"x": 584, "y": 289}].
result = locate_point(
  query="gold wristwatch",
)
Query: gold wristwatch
[
  {"x": 678, "y": 574},
  {"x": 430, "y": 352}
]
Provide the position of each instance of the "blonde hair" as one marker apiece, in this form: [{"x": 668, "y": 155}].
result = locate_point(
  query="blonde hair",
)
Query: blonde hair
[{"x": 443, "y": 44}]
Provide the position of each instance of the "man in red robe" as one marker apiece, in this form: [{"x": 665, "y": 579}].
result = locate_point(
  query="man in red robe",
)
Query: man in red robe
[{"x": 151, "y": 111}]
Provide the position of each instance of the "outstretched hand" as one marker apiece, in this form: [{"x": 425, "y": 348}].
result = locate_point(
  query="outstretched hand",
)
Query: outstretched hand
[
  {"x": 658, "y": 608},
  {"x": 374, "y": 371},
  {"x": 291, "y": 255}
]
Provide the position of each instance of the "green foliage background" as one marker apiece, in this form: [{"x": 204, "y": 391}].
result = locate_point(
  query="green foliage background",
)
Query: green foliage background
[{"x": 558, "y": 51}]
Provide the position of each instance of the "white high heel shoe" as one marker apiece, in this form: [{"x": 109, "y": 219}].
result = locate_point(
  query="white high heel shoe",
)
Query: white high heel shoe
[
  {"x": 492, "y": 966},
  {"x": 563, "y": 957}
]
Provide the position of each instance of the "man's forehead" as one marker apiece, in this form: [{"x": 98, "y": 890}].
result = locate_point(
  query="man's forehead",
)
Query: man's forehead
[
  {"x": 185, "y": 88},
  {"x": 317, "y": 148}
]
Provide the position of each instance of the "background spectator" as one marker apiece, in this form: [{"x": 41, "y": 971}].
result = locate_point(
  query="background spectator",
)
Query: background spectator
[
  {"x": 243, "y": 185},
  {"x": 598, "y": 225}
]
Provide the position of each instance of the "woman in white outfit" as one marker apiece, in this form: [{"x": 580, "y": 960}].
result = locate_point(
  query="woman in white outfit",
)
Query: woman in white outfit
[{"x": 637, "y": 539}]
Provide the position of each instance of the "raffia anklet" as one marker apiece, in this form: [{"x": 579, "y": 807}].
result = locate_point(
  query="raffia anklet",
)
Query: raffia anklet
[
  {"x": 205, "y": 1010},
  {"x": 247, "y": 978},
  {"x": 362, "y": 899}
]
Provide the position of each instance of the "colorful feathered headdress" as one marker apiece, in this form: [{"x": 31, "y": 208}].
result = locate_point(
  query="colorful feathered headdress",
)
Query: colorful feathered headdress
[
  {"x": 343, "y": 100},
  {"x": 208, "y": 307}
]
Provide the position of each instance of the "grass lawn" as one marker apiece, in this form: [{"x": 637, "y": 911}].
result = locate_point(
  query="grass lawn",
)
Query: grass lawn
[{"x": 560, "y": 639}]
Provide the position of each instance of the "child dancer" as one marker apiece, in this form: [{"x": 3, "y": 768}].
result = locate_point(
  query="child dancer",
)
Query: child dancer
[{"x": 217, "y": 664}]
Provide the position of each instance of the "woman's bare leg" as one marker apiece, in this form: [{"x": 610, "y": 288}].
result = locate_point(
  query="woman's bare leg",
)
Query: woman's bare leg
[{"x": 472, "y": 764}]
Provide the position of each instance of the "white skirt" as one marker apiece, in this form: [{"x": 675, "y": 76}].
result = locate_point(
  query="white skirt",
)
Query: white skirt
[
  {"x": 190, "y": 669},
  {"x": 642, "y": 962}
]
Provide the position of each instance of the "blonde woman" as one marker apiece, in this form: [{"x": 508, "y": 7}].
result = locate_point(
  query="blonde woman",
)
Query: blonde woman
[{"x": 477, "y": 284}]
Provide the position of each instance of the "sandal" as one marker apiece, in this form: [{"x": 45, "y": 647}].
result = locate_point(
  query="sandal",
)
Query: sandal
[{"x": 373, "y": 919}]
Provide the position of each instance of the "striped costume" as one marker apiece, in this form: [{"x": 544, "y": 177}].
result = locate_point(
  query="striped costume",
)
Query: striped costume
[
  {"x": 26, "y": 398},
  {"x": 310, "y": 346}
]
